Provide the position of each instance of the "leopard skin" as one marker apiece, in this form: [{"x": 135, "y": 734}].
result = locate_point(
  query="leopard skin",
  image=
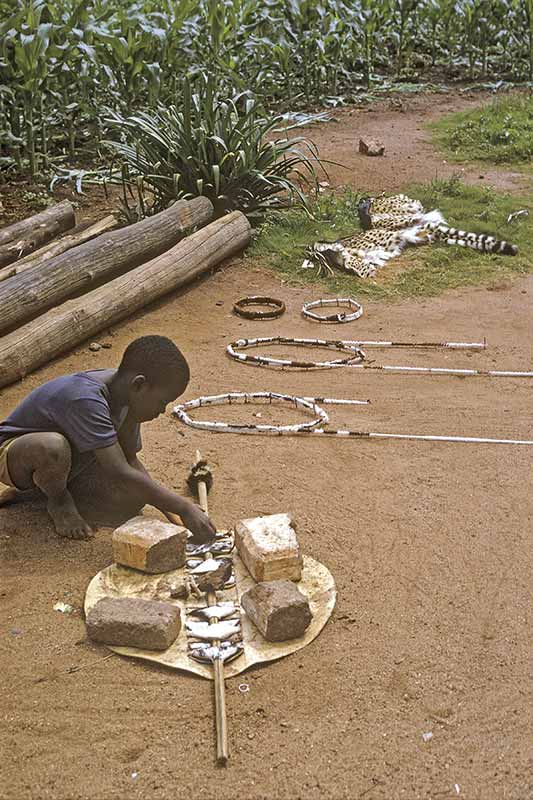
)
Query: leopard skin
[{"x": 389, "y": 225}]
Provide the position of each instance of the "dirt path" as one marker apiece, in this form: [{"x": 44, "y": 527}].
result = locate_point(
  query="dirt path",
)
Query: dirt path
[
  {"x": 409, "y": 154},
  {"x": 429, "y": 545}
]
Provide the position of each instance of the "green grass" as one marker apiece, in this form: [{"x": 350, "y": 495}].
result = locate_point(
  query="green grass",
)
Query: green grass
[
  {"x": 421, "y": 271},
  {"x": 501, "y": 132}
]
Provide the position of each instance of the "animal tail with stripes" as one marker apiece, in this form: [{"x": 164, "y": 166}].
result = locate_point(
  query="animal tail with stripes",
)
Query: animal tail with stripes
[{"x": 476, "y": 241}]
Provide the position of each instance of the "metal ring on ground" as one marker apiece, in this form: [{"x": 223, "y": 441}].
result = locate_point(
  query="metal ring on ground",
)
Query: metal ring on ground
[
  {"x": 240, "y": 307},
  {"x": 356, "y": 356},
  {"x": 338, "y": 302}
]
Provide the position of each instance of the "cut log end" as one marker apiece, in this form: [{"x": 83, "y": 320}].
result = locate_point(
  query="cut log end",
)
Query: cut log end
[
  {"x": 24, "y": 237},
  {"x": 100, "y": 259}
]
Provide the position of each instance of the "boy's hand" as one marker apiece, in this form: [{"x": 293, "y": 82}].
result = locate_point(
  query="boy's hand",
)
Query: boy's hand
[{"x": 199, "y": 524}]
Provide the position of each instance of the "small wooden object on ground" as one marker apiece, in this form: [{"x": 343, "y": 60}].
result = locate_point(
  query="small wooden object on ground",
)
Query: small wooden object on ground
[
  {"x": 269, "y": 548},
  {"x": 242, "y": 307},
  {"x": 278, "y": 609},
  {"x": 371, "y": 147},
  {"x": 24, "y": 237},
  {"x": 149, "y": 545},
  {"x": 134, "y": 622}
]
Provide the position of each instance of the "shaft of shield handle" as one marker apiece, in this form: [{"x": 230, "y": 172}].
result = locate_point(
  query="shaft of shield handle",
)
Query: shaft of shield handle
[
  {"x": 218, "y": 664},
  {"x": 220, "y": 698},
  {"x": 202, "y": 488},
  {"x": 220, "y": 710}
]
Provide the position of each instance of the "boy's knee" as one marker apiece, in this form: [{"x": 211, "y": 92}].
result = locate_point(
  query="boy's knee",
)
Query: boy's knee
[
  {"x": 54, "y": 449},
  {"x": 36, "y": 456}
]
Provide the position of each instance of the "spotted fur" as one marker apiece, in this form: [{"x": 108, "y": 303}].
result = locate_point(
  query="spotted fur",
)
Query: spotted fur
[
  {"x": 389, "y": 225},
  {"x": 399, "y": 211}
]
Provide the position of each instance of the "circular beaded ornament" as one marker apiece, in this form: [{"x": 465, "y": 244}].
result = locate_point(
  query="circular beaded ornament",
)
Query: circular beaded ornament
[
  {"x": 353, "y": 355},
  {"x": 338, "y": 302},
  {"x": 241, "y": 307}
]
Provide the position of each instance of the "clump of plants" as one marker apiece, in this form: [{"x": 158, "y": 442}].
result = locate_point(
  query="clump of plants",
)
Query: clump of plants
[
  {"x": 501, "y": 132},
  {"x": 223, "y": 149}
]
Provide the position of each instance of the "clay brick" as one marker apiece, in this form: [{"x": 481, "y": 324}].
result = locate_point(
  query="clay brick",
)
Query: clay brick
[
  {"x": 150, "y": 545},
  {"x": 278, "y": 609},
  {"x": 269, "y": 548},
  {"x": 133, "y": 622}
]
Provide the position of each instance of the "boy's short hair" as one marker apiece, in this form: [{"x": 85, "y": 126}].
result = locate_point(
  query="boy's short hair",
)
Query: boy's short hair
[{"x": 155, "y": 357}]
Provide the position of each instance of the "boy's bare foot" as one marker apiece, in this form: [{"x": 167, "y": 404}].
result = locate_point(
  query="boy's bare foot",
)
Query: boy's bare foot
[
  {"x": 10, "y": 495},
  {"x": 66, "y": 518}
]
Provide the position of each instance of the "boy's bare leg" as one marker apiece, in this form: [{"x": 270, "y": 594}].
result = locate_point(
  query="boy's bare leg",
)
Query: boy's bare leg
[
  {"x": 43, "y": 460},
  {"x": 101, "y": 500}
]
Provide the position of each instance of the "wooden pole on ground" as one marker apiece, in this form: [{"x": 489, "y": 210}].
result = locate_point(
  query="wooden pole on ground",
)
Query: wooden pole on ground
[
  {"x": 43, "y": 254},
  {"x": 27, "y": 235},
  {"x": 221, "y": 722},
  {"x": 62, "y": 328},
  {"x": 34, "y": 290}
]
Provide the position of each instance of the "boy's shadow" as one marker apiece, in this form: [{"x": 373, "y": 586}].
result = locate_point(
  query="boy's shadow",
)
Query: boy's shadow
[
  {"x": 28, "y": 537},
  {"x": 27, "y": 533}
]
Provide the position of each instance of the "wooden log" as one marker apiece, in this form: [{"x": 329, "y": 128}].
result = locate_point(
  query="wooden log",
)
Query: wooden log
[
  {"x": 33, "y": 291},
  {"x": 62, "y": 328},
  {"x": 43, "y": 254},
  {"x": 27, "y": 235}
]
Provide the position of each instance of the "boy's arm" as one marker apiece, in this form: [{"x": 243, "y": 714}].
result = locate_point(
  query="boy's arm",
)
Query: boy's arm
[
  {"x": 139, "y": 465},
  {"x": 138, "y": 482}
]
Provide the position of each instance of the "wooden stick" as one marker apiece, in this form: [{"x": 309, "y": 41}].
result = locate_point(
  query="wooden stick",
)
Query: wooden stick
[
  {"x": 70, "y": 670},
  {"x": 54, "y": 248},
  {"x": 220, "y": 709},
  {"x": 218, "y": 665},
  {"x": 202, "y": 488}
]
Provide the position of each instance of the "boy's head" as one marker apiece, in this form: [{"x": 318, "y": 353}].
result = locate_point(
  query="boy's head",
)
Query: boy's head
[{"x": 155, "y": 372}]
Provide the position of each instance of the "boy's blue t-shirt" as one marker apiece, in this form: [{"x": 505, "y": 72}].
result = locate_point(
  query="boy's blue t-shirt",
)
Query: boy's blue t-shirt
[{"x": 76, "y": 406}]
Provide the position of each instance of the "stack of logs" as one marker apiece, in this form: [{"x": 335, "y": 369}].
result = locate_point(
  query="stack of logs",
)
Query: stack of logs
[{"x": 54, "y": 294}]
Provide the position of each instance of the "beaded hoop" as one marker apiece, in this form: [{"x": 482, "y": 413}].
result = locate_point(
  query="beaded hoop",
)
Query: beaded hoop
[
  {"x": 240, "y": 307},
  {"x": 355, "y": 355},
  {"x": 308, "y": 405},
  {"x": 338, "y": 302}
]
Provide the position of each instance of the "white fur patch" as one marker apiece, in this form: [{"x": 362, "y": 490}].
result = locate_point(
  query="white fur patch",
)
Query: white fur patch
[
  {"x": 412, "y": 235},
  {"x": 435, "y": 217}
]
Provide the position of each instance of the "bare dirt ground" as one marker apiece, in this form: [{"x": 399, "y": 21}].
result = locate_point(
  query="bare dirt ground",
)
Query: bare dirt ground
[
  {"x": 429, "y": 543},
  {"x": 409, "y": 154}
]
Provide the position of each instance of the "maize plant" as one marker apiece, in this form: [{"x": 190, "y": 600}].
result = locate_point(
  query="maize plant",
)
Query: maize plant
[{"x": 63, "y": 61}]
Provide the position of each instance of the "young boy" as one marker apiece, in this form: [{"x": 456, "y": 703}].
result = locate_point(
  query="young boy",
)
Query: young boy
[{"x": 90, "y": 423}]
